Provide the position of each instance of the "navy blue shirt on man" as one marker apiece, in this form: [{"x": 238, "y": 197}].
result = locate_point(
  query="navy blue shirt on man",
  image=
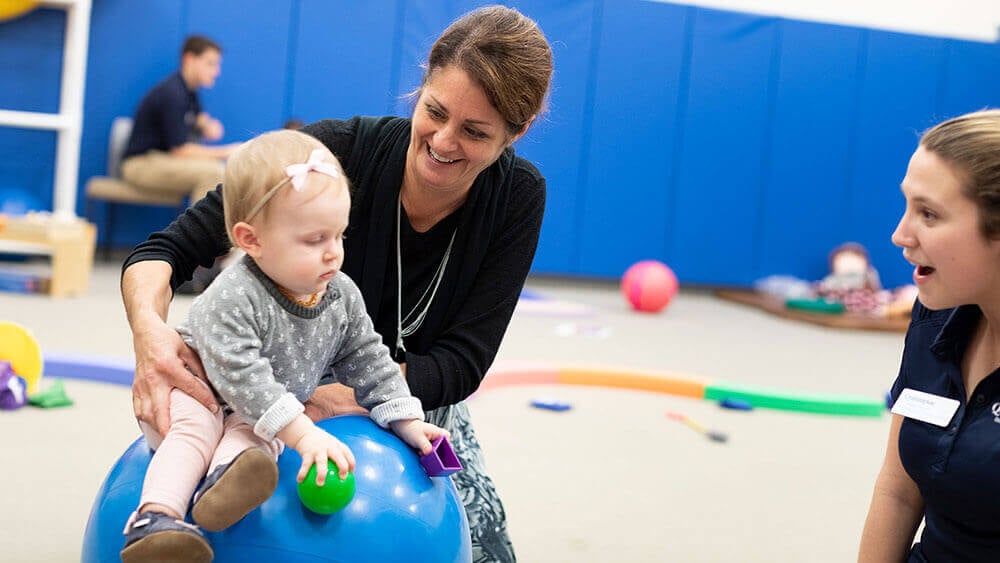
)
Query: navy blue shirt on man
[
  {"x": 956, "y": 467},
  {"x": 166, "y": 118}
]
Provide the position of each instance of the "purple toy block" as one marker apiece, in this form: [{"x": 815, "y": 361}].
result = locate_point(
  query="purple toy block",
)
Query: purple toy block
[
  {"x": 442, "y": 460},
  {"x": 13, "y": 388}
]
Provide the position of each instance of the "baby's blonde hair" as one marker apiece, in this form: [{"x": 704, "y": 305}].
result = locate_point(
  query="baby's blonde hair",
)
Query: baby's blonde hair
[{"x": 259, "y": 165}]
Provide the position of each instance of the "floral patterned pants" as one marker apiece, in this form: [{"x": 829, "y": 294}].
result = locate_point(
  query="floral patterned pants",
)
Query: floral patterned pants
[{"x": 487, "y": 519}]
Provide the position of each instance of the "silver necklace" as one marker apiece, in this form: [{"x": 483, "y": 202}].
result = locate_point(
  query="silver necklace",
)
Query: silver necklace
[{"x": 413, "y": 322}]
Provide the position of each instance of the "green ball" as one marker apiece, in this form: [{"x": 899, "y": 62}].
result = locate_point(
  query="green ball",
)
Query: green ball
[{"x": 332, "y": 496}]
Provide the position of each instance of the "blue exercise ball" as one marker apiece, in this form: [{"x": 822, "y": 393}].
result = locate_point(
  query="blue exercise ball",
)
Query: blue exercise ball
[{"x": 398, "y": 513}]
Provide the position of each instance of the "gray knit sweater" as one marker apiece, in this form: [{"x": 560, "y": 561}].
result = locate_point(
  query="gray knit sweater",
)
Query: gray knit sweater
[{"x": 265, "y": 354}]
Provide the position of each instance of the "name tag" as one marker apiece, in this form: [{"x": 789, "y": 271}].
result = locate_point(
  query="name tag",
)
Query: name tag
[{"x": 925, "y": 407}]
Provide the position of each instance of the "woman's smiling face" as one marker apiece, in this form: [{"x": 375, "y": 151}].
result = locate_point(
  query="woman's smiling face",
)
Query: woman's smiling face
[{"x": 456, "y": 133}]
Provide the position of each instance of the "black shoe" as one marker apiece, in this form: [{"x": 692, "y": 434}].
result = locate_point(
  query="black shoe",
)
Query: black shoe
[{"x": 154, "y": 536}]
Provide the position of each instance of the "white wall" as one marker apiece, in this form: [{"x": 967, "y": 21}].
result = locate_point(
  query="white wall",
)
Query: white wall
[{"x": 976, "y": 20}]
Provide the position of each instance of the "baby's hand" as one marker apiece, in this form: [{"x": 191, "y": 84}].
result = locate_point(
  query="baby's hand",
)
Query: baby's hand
[
  {"x": 315, "y": 447},
  {"x": 417, "y": 433}
]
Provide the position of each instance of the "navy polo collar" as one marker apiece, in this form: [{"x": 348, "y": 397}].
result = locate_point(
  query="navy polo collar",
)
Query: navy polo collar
[{"x": 956, "y": 331}]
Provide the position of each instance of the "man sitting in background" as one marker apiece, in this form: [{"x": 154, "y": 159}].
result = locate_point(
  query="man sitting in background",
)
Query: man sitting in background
[{"x": 165, "y": 151}]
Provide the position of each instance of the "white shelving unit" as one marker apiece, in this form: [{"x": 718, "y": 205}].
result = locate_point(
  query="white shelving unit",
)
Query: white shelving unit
[
  {"x": 68, "y": 123},
  {"x": 67, "y": 239}
]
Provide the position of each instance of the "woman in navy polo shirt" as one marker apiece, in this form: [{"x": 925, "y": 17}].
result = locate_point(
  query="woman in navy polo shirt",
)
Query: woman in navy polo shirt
[{"x": 942, "y": 462}]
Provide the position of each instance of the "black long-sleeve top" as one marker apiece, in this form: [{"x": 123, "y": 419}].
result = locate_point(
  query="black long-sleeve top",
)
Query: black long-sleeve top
[{"x": 497, "y": 234}]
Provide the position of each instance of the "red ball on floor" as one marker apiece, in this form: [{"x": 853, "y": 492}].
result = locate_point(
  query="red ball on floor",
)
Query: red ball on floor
[{"x": 649, "y": 286}]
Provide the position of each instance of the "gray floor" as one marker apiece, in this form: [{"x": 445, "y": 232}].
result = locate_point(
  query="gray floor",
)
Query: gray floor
[{"x": 612, "y": 479}]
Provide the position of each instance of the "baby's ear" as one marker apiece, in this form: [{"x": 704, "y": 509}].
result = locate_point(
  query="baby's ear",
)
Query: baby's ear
[{"x": 245, "y": 237}]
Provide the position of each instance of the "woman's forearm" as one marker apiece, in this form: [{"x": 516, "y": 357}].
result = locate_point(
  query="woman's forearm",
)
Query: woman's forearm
[{"x": 146, "y": 291}]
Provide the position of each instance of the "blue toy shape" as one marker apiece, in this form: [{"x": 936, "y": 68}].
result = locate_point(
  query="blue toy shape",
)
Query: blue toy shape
[{"x": 398, "y": 512}]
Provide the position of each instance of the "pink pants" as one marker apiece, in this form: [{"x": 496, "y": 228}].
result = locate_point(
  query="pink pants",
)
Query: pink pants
[{"x": 197, "y": 440}]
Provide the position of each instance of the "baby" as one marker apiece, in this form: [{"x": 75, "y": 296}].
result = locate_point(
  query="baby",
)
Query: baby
[{"x": 267, "y": 330}]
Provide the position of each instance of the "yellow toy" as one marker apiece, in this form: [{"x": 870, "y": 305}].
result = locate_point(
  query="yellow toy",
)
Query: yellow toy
[
  {"x": 20, "y": 348},
  {"x": 10, "y": 9}
]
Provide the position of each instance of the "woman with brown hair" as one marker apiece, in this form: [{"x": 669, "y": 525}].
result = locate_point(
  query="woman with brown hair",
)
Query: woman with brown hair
[{"x": 444, "y": 223}]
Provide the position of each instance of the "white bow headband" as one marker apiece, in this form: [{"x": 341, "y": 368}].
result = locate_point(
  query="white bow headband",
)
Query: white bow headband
[{"x": 297, "y": 174}]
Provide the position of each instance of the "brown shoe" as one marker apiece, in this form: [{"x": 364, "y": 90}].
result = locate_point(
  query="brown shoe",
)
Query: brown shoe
[
  {"x": 154, "y": 536},
  {"x": 234, "y": 489}
]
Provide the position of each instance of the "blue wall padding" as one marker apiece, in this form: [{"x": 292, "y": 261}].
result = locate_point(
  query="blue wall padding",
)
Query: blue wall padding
[
  {"x": 414, "y": 33},
  {"x": 249, "y": 97},
  {"x": 333, "y": 76},
  {"x": 26, "y": 169},
  {"x": 898, "y": 101},
  {"x": 719, "y": 181},
  {"x": 30, "y": 62},
  {"x": 969, "y": 79},
  {"x": 629, "y": 162},
  {"x": 812, "y": 121},
  {"x": 730, "y": 146},
  {"x": 557, "y": 142}
]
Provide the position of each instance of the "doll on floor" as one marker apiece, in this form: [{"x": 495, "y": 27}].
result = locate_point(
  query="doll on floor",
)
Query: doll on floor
[
  {"x": 853, "y": 281},
  {"x": 850, "y": 268}
]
